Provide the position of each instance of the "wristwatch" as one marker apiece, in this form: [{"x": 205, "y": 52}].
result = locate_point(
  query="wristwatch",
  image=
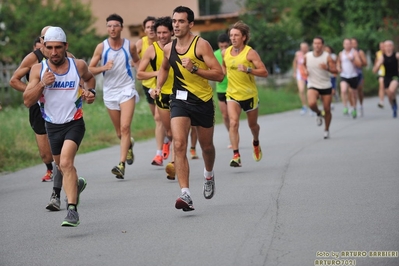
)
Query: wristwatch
[
  {"x": 93, "y": 91},
  {"x": 249, "y": 70},
  {"x": 194, "y": 69}
]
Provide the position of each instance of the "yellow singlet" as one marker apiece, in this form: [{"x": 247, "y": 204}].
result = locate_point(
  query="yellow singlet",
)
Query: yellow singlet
[
  {"x": 152, "y": 82},
  {"x": 381, "y": 70},
  {"x": 241, "y": 86},
  {"x": 167, "y": 86}
]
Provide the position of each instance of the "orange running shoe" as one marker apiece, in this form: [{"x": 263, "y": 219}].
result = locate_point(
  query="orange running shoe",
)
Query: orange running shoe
[
  {"x": 236, "y": 161},
  {"x": 257, "y": 154},
  {"x": 193, "y": 154},
  {"x": 48, "y": 176},
  {"x": 166, "y": 150},
  {"x": 157, "y": 160}
]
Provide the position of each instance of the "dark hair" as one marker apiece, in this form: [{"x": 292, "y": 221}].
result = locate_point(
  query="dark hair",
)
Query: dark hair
[
  {"x": 184, "y": 9},
  {"x": 329, "y": 47},
  {"x": 320, "y": 38},
  {"x": 115, "y": 17},
  {"x": 164, "y": 21},
  {"x": 149, "y": 18},
  {"x": 223, "y": 38},
  {"x": 37, "y": 40}
]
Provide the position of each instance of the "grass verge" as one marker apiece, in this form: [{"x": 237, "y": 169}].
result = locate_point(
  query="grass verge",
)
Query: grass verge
[{"x": 18, "y": 147}]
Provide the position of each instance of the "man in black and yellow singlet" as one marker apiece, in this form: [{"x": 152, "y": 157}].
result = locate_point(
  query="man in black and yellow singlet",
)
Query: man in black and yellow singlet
[
  {"x": 153, "y": 56},
  {"x": 390, "y": 61},
  {"x": 193, "y": 64},
  {"x": 242, "y": 64},
  {"x": 163, "y": 144}
]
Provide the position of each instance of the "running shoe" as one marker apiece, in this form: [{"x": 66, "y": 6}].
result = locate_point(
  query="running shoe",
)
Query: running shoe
[
  {"x": 380, "y": 105},
  {"x": 157, "y": 160},
  {"x": 345, "y": 111},
  {"x": 166, "y": 150},
  {"x": 119, "y": 171},
  {"x": 319, "y": 120},
  {"x": 257, "y": 153},
  {"x": 193, "y": 154},
  {"x": 303, "y": 111},
  {"x": 184, "y": 203},
  {"x": 326, "y": 135},
  {"x": 354, "y": 113},
  {"x": 130, "y": 154},
  {"x": 209, "y": 187},
  {"x": 82, "y": 183},
  {"x": 54, "y": 204},
  {"x": 72, "y": 218},
  {"x": 236, "y": 161},
  {"x": 170, "y": 171},
  {"x": 48, "y": 176}
]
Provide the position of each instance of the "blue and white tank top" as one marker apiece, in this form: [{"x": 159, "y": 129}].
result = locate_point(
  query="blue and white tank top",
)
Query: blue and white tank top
[
  {"x": 120, "y": 76},
  {"x": 61, "y": 102}
]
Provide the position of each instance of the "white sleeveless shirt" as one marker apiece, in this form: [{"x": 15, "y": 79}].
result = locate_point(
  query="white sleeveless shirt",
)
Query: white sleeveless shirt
[
  {"x": 118, "y": 80},
  {"x": 348, "y": 68},
  {"x": 61, "y": 102},
  {"x": 318, "y": 78}
]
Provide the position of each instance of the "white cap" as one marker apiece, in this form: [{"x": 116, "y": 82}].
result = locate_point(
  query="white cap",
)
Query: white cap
[{"x": 55, "y": 34}]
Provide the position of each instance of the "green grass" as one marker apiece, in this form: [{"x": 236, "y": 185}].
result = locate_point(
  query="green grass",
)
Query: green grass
[{"x": 18, "y": 147}]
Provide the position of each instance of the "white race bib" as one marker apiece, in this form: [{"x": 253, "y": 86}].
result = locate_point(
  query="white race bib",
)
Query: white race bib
[{"x": 181, "y": 95}]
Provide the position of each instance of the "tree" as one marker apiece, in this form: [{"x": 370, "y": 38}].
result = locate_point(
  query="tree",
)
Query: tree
[
  {"x": 274, "y": 32},
  {"x": 209, "y": 7},
  {"x": 24, "y": 20}
]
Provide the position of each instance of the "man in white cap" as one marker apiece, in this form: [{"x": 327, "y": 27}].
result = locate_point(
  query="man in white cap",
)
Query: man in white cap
[
  {"x": 38, "y": 124},
  {"x": 55, "y": 83}
]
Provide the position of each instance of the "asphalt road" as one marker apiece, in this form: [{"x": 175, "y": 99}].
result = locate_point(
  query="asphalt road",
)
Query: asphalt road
[{"x": 307, "y": 199}]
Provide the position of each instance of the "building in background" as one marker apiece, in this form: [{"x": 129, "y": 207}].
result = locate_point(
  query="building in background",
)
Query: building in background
[{"x": 134, "y": 12}]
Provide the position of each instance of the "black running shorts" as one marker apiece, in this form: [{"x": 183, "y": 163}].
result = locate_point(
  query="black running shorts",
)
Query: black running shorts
[
  {"x": 36, "y": 120},
  {"x": 322, "y": 91},
  {"x": 58, "y": 133},
  {"x": 150, "y": 100},
  {"x": 353, "y": 82},
  {"x": 163, "y": 101},
  {"x": 202, "y": 114},
  {"x": 222, "y": 97}
]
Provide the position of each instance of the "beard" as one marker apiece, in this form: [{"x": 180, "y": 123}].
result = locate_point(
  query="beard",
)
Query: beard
[{"x": 57, "y": 61}]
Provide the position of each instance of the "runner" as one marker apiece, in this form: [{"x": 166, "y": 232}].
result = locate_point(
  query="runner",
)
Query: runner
[
  {"x": 37, "y": 122},
  {"x": 347, "y": 63},
  {"x": 319, "y": 65},
  {"x": 120, "y": 95},
  {"x": 162, "y": 142},
  {"x": 390, "y": 60},
  {"x": 381, "y": 74},
  {"x": 360, "y": 77},
  {"x": 300, "y": 76},
  {"x": 193, "y": 63},
  {"x": 241, "y": 64},
  {"x": 154, "y": 56},
  {"x": 56, "y": 82}
]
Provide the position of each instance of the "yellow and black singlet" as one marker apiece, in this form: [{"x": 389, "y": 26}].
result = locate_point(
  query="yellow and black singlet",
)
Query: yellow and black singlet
[
  {"x": 159, "y": 55},
  {"x": 149, "y": 83},
  {"x": 198, "y": 88}
]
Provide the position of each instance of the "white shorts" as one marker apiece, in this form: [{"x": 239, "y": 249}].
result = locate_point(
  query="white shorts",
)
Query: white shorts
[{"x": 114, "y": 102}]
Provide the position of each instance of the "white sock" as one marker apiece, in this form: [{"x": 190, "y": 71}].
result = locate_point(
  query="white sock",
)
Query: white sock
[
  {"x": 166, "y": 140},
  {"x": 208, "y": 174},
  {"x": 185, "y": 189},
  {"x": 159, "y": 152}
]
